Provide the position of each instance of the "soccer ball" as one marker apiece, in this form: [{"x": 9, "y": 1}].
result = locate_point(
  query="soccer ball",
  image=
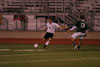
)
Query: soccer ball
[{"x": 36, "y": 45}]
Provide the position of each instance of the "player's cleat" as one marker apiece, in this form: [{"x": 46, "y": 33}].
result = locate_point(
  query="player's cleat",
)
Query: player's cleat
[
  {"x": 44, "y": 46},
  {"x": 76, "y": 47}
]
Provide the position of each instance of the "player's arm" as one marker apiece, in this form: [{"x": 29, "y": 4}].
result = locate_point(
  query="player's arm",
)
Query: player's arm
[
  {"x": 64, "y": 26},
  {"x": 86, "y": 33},
  {"x": 73, "y": 28},
  {"x": 61, "y": 26},
  {"x": 57, "y": 25}
]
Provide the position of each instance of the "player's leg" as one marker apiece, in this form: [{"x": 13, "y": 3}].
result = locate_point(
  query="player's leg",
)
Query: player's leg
[
  {"x": 81, "y": 35},
  {"x": 73, "y": 38},
  {"x": 79, "y": 44},
  {"x": 47, "y": 42},
  {"x": 78, "y": 41},
  {"x": 48, "y": 37},
  {"x": 73, "y": 42}
]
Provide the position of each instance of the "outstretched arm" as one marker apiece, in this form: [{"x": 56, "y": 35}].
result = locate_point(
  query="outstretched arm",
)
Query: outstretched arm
[
  {"x": 86, "y": 33},
  {"x": 64, "y": 26},
  {"x": 73, "y": 28}
]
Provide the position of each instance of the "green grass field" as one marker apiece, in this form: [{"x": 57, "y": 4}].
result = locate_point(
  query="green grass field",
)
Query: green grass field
[{"x": 12, "y": 55}]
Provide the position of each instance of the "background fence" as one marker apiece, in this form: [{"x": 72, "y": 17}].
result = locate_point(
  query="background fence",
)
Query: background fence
[{"x": 32, "y": 14}]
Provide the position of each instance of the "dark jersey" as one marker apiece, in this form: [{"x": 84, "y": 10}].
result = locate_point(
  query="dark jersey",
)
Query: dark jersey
[{"x": 81, "y": 26}]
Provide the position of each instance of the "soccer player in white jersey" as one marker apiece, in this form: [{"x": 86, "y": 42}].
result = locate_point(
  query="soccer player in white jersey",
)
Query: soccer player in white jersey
[
  {"x": 50, "y": 30},
  {"x": 81, "y": 32}
]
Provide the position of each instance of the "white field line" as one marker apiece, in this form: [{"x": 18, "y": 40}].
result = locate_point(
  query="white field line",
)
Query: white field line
[
  {"x": 16, "y": 46},
  {"x": 27, "y": 50},
  {"x": 52, "y": 54},
  {"x": 5, "y": 49},
  {"x": 30, "y": 50},
  {"x": 50, "y": 48},
  {"x": 73, "y": 48},
  {"x": 47, "y": 60}
]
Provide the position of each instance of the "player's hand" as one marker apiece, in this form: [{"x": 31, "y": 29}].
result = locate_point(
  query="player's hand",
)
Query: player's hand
[
  {"x": 64, "y": 27},
  {"x": 85, "y": 35},
  {"x": 68, "y": 31}
]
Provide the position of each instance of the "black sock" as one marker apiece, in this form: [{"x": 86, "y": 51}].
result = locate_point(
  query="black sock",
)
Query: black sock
[
  {"x": 79, "y": 43},
  {"x": 45, "y": 46}
]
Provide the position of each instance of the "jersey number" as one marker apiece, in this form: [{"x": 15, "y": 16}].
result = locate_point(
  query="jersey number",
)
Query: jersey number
[{"x": 82, "y": 25}]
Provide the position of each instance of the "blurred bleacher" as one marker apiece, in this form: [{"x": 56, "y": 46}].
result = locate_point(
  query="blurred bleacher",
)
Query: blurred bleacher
[{"x": 68, "y": 11}]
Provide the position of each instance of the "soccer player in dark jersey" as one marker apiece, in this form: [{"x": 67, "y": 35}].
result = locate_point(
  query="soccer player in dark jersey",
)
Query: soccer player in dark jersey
[{"x": 81, "y": 32}]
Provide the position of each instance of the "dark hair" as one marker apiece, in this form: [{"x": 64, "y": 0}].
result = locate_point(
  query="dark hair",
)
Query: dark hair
[
  {"x": 82, "y": 17},
  {"x": 51, "y": 18}
]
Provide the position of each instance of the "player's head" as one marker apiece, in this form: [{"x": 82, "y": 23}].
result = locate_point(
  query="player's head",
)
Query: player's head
[
  {"x": 50, "y": 20},
  {"x": 82, "y": 17}
]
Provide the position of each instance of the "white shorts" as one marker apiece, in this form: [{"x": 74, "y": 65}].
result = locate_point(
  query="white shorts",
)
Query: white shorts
[{"x": 78, "y": 35}]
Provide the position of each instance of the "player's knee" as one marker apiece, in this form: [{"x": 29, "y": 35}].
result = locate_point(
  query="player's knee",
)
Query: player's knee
[
  {"x": 72, "y": 39},
  {"x": 44, "y": 39},
  {"x": 50, "y": 39}
]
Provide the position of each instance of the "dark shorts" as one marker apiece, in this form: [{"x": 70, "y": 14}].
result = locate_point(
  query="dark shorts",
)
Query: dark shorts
[{"x": 48, "y": 35}]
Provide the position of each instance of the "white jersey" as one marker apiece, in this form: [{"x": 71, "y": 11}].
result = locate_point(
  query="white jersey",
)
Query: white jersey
[{"x": 51, "y": 27}]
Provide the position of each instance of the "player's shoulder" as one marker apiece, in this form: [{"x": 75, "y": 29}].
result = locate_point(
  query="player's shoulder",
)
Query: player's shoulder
[
  {"x": 46, "y": 23},
  {"x": 80, "y": 21},
  {"x": 54, "y": 23}
]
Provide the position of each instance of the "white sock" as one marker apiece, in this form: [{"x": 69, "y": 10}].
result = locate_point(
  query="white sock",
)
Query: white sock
[{"x": 47, "y": 43}]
